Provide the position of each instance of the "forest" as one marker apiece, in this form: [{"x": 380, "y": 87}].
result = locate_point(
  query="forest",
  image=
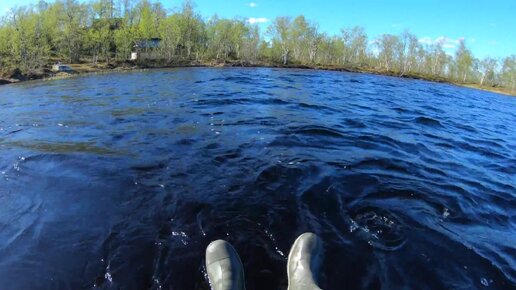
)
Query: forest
[{"x": 34, "y": 37}]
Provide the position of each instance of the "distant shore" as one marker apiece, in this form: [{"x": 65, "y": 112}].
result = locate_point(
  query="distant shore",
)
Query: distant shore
[{"x": 87, "y": 68}]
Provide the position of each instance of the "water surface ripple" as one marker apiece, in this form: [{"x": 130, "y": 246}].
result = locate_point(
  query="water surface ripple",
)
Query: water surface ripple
[{"x": 120, "y": 181}]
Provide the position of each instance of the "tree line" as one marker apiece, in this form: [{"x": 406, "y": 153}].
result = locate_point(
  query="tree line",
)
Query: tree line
[{"x": 32, "y": 37}]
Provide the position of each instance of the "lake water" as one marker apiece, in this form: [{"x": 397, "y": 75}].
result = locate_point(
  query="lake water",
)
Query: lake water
[{"x": 120, "y": 181}]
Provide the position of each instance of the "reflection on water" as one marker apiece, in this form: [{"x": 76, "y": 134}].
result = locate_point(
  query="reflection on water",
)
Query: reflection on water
[
  {"x": 79, "y": 147},
  {"x": 120, "y": 181}
]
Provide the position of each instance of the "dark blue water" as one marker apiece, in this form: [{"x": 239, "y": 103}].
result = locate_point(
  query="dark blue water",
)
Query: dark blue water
[{"x": 120, "y": 181}]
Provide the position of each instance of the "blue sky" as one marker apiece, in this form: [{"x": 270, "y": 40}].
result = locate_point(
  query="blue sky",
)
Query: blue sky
[{"x": 489, "y": 26}]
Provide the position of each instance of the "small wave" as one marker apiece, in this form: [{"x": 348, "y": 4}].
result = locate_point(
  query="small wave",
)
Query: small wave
[
  {"x": 466, "y": 127},
  {"x": 401, "y": 110},
  {"x": 317, "y": 131},
  {"x": 354, "y": 123},
  {"x": 148, "y": 167},
  {"x": 239, "y": 101},
  {"x": 485, "y": 142},
  {"x": 388, "y": 165},
  {"x": 428, "y": 121},
  {"x": 286, "y": 79},
  {"x": 237, "y": 79},
  {"x": 228, "y": 156},
  {"x": 317, "y": 107}
]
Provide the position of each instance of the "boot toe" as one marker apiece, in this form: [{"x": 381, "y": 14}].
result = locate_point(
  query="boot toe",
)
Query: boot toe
[{"x": 225, "y": 270}]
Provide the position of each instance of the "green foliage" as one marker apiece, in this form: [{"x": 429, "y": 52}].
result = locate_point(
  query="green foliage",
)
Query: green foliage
[
  {"x": 282, "y": 37},
  {"x": 230, "y": 39},
  {"x": 191, "y": 31},
  {"x": 124, "y": 40},
  {"x": 170, "y": 35},
  {"x": 508, "y": 74},
  {"x": 149, "y": 20},
  {"x": 6, "y": 60},
  {"x": 26, "y": 43},
  {"x": 108, "y": 30},
  {"x": 354, "y": 45},
  {"x": 487, "y": 68},
  {"x": 388, "y": 46},
  {"x": 464, "y": 61}
]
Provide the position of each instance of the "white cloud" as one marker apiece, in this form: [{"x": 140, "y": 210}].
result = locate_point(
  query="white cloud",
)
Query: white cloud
[
  {"x": 252, "y": 4},
  {"x": 426, "y": 40},
  {"x": 375, "y": 50},
  {"x": 373, "y": 42},
  {"x": 253, "y": 20},
  {"x": 445, "y": 41}
]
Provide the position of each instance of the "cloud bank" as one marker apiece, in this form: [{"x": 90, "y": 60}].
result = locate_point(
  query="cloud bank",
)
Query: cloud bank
[
  {"x": 253, "y": 20},
  {"x": 445, "y": 41}
]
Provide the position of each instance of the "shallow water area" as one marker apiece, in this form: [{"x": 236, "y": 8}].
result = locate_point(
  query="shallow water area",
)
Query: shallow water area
[{"x": 120, "y": 181}]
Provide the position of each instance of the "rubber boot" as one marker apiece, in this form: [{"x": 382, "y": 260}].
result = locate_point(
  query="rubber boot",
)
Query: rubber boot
[
  {"x": 225, "y": 270},
  {"x": 304, "y": 262}
]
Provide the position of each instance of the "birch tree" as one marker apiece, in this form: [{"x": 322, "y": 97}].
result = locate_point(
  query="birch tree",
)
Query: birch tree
[
  {"x": 488, "y": 71},
  {"x": 387, "y": 46},
  {"x": 509, "y": 72},
  {"x": 28, "y": 45},
  {"x": 355, "y": 44},
  {"x": 464, "y": 61},
  {"x": 280, "y": 32},
  {"x": 409, "y": 54}
]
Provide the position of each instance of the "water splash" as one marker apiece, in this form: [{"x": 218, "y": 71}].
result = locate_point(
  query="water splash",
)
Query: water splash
[
  {"x": 183, "y": 237},
  {"x": 380, "y": 229}
]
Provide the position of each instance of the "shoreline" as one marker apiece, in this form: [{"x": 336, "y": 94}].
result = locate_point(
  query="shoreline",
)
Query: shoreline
[{"x": 86, "y": 69}]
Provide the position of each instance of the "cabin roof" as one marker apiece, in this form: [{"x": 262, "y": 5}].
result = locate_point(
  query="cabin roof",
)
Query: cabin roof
[{"x": 147, "y": 43}]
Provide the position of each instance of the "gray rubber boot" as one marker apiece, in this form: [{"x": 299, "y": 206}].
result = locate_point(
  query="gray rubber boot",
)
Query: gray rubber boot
[
  {"x": 225, "y": 270},
  {"x": 304, "y": 262}
]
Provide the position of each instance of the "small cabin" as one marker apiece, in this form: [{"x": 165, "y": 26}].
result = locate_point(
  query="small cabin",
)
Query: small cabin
[
  {"x": 61, "y": 68},
  {"x": 146, "y": 49}
]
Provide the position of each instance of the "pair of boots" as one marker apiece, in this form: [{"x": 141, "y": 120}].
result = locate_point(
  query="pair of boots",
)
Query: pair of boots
[{"x": 225, "y": 270}]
